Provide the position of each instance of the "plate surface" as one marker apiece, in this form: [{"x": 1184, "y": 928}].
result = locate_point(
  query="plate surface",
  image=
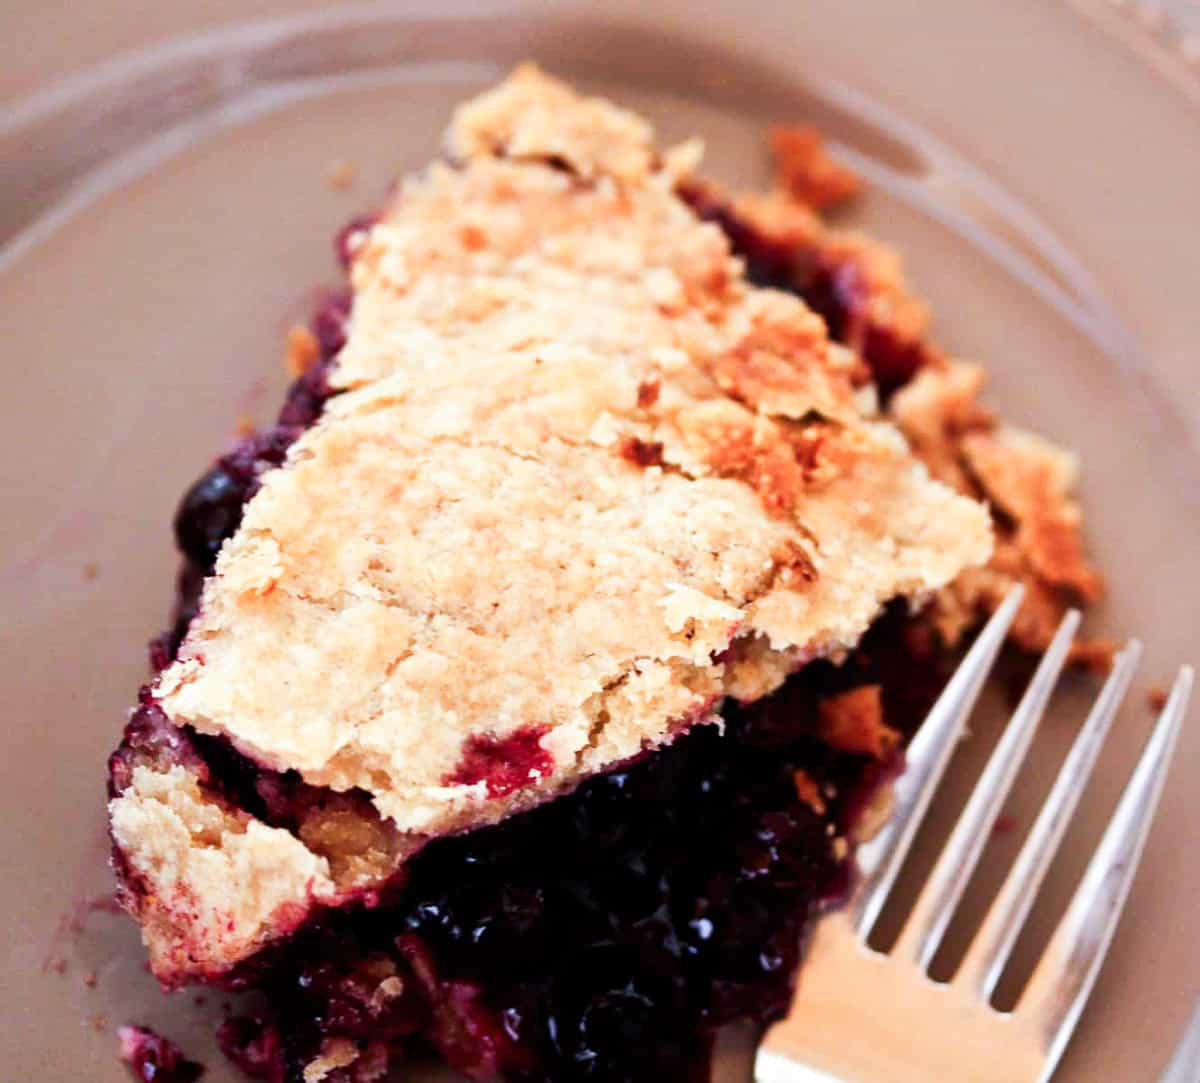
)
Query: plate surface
[{"x": 166, "y": 218}]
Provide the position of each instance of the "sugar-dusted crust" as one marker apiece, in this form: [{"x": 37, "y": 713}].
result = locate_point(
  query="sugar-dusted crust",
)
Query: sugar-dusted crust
[{"x": 583, "y": 482}]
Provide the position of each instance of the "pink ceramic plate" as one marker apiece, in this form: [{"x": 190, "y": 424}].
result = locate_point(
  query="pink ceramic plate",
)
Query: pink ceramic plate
[{"x": 163, "y": 217}]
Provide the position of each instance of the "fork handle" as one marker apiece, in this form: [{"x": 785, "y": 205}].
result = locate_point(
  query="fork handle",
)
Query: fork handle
[{"x": 867, "y": 1019}]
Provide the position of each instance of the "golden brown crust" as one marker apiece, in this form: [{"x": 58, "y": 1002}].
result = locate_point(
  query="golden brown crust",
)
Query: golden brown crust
[
  {"x": 936, "y": 411},
  {"x": 495, "y": 532},
  {"x": 499, "y": 495}
]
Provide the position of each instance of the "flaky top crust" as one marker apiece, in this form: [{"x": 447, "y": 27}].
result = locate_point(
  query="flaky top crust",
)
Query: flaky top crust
[
  {"x": 581, "y": 457},
  {"x": 583, "y": 481}
]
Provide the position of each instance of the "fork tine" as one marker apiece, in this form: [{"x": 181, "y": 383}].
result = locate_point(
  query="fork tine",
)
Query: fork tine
[
  {"x": 879, "y": 860},
  {"x": 927, "y": 923},
  {"x": 1185, "y": 1063},
  {"x": 1067, "y": 970},
  {"x": 985, "y": 959}
]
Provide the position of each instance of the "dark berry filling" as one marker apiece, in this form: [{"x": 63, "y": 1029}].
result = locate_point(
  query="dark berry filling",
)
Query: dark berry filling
[
  {"x": 504, "y": 763},
  {"x": 253, "y": 1045},
  {"x": 604, "y": 936}
]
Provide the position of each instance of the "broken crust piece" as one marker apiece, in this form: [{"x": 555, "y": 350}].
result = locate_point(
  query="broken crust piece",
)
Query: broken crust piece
[
  {"x": 216, "y": 878},
  {"x": 1031, "y": 484},
  {"x": 1031, "y": 480},
  {"x": 804, "y": 169},
  {"x": 461, "y": 596}
]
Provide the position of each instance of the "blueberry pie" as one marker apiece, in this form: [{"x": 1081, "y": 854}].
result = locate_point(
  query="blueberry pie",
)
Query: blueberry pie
[{"x": 531, "y": 675}]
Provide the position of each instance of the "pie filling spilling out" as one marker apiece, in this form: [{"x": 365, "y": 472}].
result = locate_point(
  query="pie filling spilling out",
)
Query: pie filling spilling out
[{"x": 533, "y": 676}]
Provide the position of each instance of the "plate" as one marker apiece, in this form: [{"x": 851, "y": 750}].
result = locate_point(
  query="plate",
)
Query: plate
[{"x": 165, "y": 215}]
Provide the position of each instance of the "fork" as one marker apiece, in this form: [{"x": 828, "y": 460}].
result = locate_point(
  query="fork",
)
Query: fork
[{"x": 867, "y": 1017}]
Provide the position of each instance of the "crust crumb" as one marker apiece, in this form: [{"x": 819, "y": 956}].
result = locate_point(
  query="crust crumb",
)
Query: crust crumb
[
  {"x": 1095, "y": 655},
  {"x": 853, "y": 722},
  {"x": 302, "y": 352},
  {"x": 804, "y": 169},
  {"x": 335, "y": 1053},
  {"x": 1031, "y": 480},
  {"x": 808, "y": 791},
  {"x": 341, "y": 174}
]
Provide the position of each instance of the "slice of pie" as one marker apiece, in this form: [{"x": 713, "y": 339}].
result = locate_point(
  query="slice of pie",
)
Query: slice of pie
[{"x": 513, "y": 708}]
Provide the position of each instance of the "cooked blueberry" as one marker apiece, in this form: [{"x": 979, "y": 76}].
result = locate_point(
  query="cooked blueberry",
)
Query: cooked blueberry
[
  {"x": 208, "y": 514},
  {"x": 610, "y": 1001}
]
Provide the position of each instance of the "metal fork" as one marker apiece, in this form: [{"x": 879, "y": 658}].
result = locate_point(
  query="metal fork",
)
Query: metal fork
[{"x": 867, "y": 1017}]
